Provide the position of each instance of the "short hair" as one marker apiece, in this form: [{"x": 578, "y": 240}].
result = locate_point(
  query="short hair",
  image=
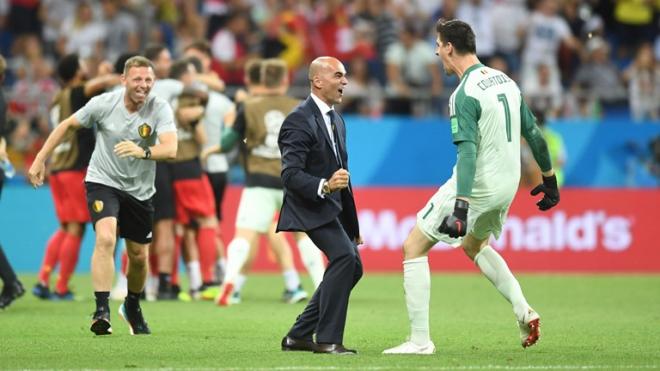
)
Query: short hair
[
  {"x": 68, "y": 67},
  {"x": 152, "y": 51},
  {"x": 179, "y": 68},
  {"x": 459, "y": 34},
  {"x": 273, "y": 72},
  {"x": 196, "y": 63},
  {"x": 253, "y": 71},
  {"x": 200, "y": 45},
  {"x": 137, "y": 61}
]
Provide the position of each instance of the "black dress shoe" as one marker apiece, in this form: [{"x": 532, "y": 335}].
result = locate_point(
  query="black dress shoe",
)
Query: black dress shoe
[
  {"x": 333, "y": 349},
  {"x": 291, "y": 344}
]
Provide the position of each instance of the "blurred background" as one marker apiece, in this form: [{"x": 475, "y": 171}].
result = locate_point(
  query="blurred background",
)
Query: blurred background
[{"x": 589, "y": 69}]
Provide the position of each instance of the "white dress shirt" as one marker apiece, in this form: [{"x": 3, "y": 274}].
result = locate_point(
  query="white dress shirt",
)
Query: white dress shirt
[{"x": 324, "y": 108}]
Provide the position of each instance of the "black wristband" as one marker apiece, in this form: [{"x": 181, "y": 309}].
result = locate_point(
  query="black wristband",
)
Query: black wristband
[
  {"x": 461, "y": 208},
  {"x": 147, "y": 153}
]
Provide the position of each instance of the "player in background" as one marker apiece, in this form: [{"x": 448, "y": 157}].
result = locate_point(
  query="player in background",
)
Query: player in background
[
  {"x": 67, "y": 173},
  {"x": 487, "y": 116},
  {"x": 193, "y": 195},
  {"x": 258, "y": 123},
  {"x": 12, "y": 287},
  {"x": 218, "y": 111},
  {"x": 120, "y": 182},
  {"x": 311, "y": 257}
]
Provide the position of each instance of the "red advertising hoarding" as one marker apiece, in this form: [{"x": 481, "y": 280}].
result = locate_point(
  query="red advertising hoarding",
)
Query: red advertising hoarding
[{"x": 590, "y": 230}]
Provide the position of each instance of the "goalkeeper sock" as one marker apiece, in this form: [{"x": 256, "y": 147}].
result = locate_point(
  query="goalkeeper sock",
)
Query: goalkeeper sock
[
  {"x": 494, "y": 267},
  {"x": 417, "y": 287}
]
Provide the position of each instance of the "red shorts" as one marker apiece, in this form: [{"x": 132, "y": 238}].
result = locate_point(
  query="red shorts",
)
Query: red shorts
[
  {"x": 193, "y": 198},
  {"x": 69, "y": 195}
]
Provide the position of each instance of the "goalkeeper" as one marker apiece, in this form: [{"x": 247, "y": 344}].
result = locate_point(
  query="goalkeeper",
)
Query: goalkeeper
[{"x": 487, "y": 116}]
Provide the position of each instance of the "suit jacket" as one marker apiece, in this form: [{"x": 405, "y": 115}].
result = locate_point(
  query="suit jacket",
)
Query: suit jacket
[{"x": 307, "y": 157}]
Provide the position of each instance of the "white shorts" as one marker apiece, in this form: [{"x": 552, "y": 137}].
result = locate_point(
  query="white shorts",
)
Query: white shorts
[
  {"x": 258, "y": 207},
  {"x": 486, "y": 216}
]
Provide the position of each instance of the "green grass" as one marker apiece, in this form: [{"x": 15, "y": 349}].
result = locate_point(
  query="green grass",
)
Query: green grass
[{"x": 588, "y": 322}]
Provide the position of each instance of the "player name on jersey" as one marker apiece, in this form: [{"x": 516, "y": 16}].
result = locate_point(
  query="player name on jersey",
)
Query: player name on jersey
[{"x": 493, "y": 81}]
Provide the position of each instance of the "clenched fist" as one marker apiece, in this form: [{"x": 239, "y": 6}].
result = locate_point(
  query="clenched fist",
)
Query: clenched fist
[
  {"x": 128, "y": 149},
  {"x": 338, "y": 180}
]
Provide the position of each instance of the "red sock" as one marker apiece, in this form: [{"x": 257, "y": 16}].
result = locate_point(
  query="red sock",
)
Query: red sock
[
  {"x": 124, "y": 262},
  {"x": 176, "y": 254},
  {"x": 207, "y": 252},
  {"x": 51, "y": 255},
  {"x": 69, "y": 253}
]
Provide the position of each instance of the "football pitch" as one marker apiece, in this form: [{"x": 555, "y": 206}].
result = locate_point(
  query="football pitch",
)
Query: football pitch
[{"x": 588, "y": 322}]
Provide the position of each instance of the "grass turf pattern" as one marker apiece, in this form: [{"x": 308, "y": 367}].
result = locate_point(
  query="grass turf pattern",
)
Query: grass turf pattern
[{"x": 587, "y": 322}]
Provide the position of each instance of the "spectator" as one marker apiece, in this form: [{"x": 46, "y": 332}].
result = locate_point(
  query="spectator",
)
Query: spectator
[
  {"x": 24, "y": 18},
  {"x": 508, "y": 35},
  {"x": 121, "y": 30},
  {"x": 634, "y": 25},
  {"x": 542, "y": 94},
  {"x": 54, "y": 13},
  {"x": 412, "y": 71},
  {"x": 477, "y": 13},
  {"x": 364, "y": 94},
  {"x": 81, "y": 33},
  {"x": 385, "y": 28},
  {"x": 334, "y": 34},
  {"x": 230, "y": 47},
  {"x": 286, "y": 36},
  {"x": 600, "y": 74},
  {"x": 643, "y": 77},
  {"x": 544, "y": 33},
  {"x": 581, "y": 103}
]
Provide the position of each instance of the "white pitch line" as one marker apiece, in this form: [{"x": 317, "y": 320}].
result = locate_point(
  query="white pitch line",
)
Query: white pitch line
[{"x": 442, "y": 368}]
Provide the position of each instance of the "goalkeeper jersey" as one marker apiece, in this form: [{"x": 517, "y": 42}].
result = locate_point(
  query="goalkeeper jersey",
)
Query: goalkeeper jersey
[{"x": 487, "y": 109}]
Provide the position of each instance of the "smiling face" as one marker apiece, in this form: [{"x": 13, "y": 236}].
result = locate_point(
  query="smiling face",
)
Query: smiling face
[
  {"x": 328, "y": 78},
  {"x": 138, "y": 82}
]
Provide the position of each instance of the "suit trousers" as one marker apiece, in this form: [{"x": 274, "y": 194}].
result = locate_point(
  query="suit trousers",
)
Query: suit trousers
[{"x": 325, "y": 314}]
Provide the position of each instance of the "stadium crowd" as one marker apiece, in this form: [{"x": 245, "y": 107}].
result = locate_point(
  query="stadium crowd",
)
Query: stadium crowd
[{"x": 571, "y": 57}]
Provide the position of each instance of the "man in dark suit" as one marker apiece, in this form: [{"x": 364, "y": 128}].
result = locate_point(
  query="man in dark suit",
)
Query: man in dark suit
[{"x": 318, "y": 200}]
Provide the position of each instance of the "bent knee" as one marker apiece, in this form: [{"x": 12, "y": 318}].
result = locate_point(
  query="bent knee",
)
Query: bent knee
[
  {"x": 411, "y": 250},
  {"x": 106, "y": 240}
]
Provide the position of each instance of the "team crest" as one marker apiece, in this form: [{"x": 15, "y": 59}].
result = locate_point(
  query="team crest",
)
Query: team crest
[
  {"x": 97, "y": 206},
  {"x": 144, "y": 130}
]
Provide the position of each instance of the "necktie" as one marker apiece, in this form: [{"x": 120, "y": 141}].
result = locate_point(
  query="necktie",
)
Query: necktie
[{"x": 333, "y": 126}]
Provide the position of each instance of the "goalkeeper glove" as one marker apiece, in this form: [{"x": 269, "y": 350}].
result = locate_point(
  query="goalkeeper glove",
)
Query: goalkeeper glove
[
  {"x": 455, "y": 225},
  {"x": 550, "y": 193}
]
